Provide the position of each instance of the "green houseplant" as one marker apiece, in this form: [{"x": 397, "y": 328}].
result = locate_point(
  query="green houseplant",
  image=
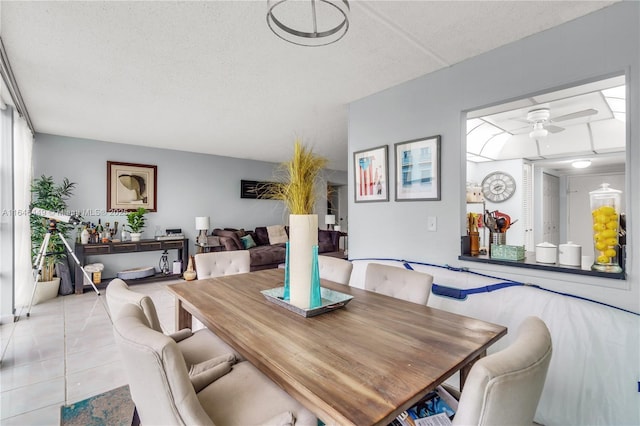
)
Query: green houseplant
[
  {"x": 136, "y": 222},
  {"x": 48, "y": 195}
]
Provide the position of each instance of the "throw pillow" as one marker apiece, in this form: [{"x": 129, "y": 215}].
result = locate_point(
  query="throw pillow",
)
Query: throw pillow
[
  {"x": 247, "y": 242},
  {"x": 229, "y": 234},
  {"x": 277, "y": 234},
  {"x": 260, "y": 236}
]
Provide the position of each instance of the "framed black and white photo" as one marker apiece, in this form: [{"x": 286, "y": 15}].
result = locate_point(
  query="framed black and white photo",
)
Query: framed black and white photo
[
  {"x": 371, "y": 175},
  {"x": 418, "y": 169},
  {"x": 256, "y": 190}
]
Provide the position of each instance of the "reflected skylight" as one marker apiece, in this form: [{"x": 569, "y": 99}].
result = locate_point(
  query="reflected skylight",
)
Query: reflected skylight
[
  {"x": 484, "y": 140},
  {"x": 616, "y": 99},
  {"x": 575, "y": 116}
]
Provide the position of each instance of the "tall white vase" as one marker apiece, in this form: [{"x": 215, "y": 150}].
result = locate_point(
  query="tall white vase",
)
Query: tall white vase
[{"x": 303, "y": 235}]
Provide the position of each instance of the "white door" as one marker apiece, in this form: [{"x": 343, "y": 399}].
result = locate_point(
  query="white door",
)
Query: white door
[{"x": 550, "y": 208}]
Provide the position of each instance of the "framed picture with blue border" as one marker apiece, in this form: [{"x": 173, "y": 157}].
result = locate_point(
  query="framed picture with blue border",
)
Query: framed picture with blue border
[
  {"x": 371, "y": 174},
  {"x": 418, "y": 169}
]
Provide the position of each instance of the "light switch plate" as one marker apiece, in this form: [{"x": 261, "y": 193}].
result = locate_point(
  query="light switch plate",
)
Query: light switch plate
[{"x": 432, "y": 224}]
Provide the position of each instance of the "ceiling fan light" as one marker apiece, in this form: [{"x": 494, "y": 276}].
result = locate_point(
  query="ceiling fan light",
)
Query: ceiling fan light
[
  {"x": 538, "y": 132},
  {"x": 581, "y": 164}
]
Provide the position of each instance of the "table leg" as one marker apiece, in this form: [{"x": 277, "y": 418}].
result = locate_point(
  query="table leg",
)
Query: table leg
[
  {"x": 183, "y": 317},
  {"x": 464, "y": 371}
]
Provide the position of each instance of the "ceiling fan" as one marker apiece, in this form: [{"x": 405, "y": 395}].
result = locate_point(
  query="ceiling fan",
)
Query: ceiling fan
[{"x": 541, "y": 120}]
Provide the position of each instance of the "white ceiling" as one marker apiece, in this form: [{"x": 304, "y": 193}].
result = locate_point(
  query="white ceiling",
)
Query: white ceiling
[{"x": 210, "y": 77}]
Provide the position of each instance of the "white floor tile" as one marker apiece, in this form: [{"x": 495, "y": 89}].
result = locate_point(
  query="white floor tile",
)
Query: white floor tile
[
  {"x": 46, "y": 324},
  {"x": 93, "y": 381},
  {"x": 27, "y": 374},
  {"x": 93, "y": 338},
  {"x": 30, "y": 349},
  {"x": 84, "y": 360},
  {"x": 63, "y": 353},
  {"x": 81, "y": 324},
  {"x": 47, "y": 416},
  {"x": 32, "y": 397}
]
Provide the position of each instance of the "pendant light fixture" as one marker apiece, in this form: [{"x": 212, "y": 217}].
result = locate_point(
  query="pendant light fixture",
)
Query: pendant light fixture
[{"x": 308, "y": 22}]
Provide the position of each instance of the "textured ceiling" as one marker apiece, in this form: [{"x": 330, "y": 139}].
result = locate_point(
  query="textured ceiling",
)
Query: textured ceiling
[{"x": 210, "y": 77}]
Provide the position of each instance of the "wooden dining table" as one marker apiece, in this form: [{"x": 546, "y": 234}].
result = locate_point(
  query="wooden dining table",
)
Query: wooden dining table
[{"x": 362, "y": 364}]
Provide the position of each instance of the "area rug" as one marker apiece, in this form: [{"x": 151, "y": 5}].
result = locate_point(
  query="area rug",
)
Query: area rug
[{"x": 110, "y": 408}]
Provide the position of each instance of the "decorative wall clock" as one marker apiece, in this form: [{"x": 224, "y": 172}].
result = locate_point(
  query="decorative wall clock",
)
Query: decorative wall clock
[{"x": 498, "y": 187}]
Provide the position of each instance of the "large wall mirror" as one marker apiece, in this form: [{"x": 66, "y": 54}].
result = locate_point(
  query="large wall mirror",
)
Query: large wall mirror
[{"x": 551, "y": 150}]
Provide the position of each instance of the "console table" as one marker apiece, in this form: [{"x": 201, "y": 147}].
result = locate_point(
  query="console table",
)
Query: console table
[
  {"x": 83, "y": 251},
  {"x": 208, "y": 248}
]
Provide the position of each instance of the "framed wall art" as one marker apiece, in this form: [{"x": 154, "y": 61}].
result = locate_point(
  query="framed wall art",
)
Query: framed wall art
[
  {"x": 256, "y": 189},
  {"x": 131, "y": 186},
  {"x": 371, "y": 170},
  {"x": 418, "y": 169}
]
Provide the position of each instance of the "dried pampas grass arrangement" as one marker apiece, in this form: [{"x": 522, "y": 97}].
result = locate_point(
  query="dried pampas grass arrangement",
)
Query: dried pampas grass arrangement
[{"x": 300, "y": 175}]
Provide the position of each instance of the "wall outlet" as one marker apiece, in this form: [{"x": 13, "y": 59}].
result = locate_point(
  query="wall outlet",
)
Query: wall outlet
[{"x": 432, "y": 224}]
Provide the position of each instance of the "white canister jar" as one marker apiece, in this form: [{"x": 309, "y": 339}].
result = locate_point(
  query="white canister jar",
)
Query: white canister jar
[
  {"x": 570, "y": 254},
  {"x": 546, "y": 253}
]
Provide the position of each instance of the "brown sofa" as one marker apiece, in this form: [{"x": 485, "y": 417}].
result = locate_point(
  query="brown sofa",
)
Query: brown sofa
[{"x": 265, "y": 255}]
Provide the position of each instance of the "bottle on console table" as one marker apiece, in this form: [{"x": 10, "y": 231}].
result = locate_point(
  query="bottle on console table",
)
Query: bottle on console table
[{"x": 84, "y": 235}]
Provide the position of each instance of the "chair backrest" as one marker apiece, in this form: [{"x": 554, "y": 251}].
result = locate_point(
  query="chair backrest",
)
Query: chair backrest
[
  {"x": 401, "y": 283},
  {"x": 217, "y": 264},
  {"x": 335, "y": 269},
  {"x": 119, "y": 295},
  {"x": 156, "y": 371},
  {"x": 504, "y": 388}
]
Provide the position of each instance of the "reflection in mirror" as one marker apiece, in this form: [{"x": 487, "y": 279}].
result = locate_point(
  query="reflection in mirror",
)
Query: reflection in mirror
[{"x": 557, "y": 146}]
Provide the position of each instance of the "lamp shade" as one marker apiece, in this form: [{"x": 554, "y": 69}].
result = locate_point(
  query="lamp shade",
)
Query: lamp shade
[
  {"x": 202, "y": 222},
  {"x": 330, "y": 219}
]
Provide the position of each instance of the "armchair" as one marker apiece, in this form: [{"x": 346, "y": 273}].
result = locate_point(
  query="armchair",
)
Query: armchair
[
  {"x": 164, "y": 394},
  {"x": 504, "y": 388},
  {"x": 196, "y": 347},
  {"x": 405, "y": 284}
]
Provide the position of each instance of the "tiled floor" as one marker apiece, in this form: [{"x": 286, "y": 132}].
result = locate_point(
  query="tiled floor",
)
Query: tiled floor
[{"x": 63, "y": 353}]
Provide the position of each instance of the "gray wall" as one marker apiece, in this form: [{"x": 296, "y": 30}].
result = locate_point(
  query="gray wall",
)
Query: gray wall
[
  {"x": 189, "y": 185},
  {"x": 601, "y": 44}
]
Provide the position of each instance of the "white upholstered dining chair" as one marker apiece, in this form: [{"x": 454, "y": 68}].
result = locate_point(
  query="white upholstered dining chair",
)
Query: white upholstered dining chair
[
  {"x": 335, "y": 269},
  {"x": 165, "y": 393},
  {"x": 217, "y": 264},
  {"x": 195, "y": 346},
  {"x": 401, "y": 283},
  {"x": 504, "y": 388}
]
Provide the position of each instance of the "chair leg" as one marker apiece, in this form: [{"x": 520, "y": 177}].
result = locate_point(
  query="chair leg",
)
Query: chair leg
[{"x": 135, "y": 421}]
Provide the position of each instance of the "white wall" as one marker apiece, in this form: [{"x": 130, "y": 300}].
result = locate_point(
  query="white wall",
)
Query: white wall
[
  {"x": 189, "y": 185},
  {"x": 512, "y": 206},
  {"x": 7, "y": 220},
  {"x": 579, "y": 207},
  {"x": 598, "y": 45}
]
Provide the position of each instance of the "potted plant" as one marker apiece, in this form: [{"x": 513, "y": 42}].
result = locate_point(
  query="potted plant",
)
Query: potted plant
[
  {"x": 297, "y": 190},
  {"x": 48, "y": 195},
  {"x": 136, "y": 220}
]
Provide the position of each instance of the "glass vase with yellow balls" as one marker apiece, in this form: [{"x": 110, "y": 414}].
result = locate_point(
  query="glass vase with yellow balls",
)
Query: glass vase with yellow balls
[{"x": 605, "y": 211}]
